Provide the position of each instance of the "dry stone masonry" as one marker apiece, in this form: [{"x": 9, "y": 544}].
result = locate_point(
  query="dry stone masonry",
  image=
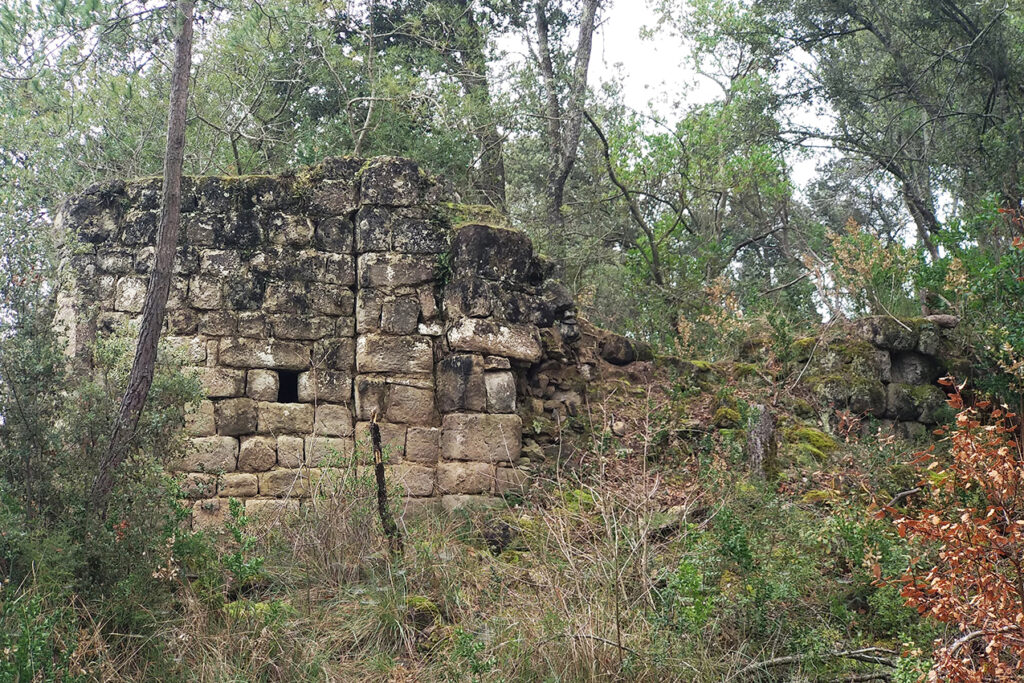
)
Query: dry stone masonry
[{"x": 310, "y": 304}]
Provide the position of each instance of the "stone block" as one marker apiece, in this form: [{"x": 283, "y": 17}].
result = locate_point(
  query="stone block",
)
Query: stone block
[
  {"x": 501, "y": 392},
  {"x": 333, "y": 420},
  {"x": 460, "y": 384},
  {"x": 415, "y": 509},
  {"x": 284, "y": 483},
  {"x": 373, "y": 229},
  {"x": 200, "y": 421},
  {"x": 325, "y": 385},
  {"x": 901, "y": 404},
  {"x": 423, "y": 445},
  {"x": 370, "y": 394},
  {"x": 469, "y": 297},
  {"x": 219, "y": 263},
  {"x": 271, "y": 511},
  {"x": 334, "y": 197},
  {"x": 427, "y": 301},
  {"x": 404, "y": 354},
  {"x": 264, "y": 353},
  {"x": 369, "y": 304},
  {"x": 390, "y": 181},
  {"x": 285, "y": 418},
  {"x": 181, "y": 321},
  {"x": 257, "y": 454},
  {"x": 335, "y": 354},
  {"x": 290, "y": 451},
  {"x": 205, "y": 293},
  {"x": 222, "y": 382},
  {"x": 209, "y": 514},
  {"x": 519, "y": 342},
  {"x": 868, "y": 397},
  {"x": 238, "y": 485},
  {"x": 345, "y": 327},
  {"x": 510, "y": 480},
  {"x": 410, "y": 404},
  {"x": 481, "y": 437},
  {"x": 195, "y": 485},
  {"x": 130, "y": 294},
  {"x": 300, "y": 326},
  {"x": 914, "y": 368},
  {"x": 388, "y": 270},
  {"x": 285, "y": 297},
  {"x": 416, "y": 480},
  {"x": 236, "y": 416},
  {"x": 493, "y": 253},
  {"x": 332, "y": 300},
  {"x": 334, "y": 234},
  {"x": 465, "y": 477},
  {"x": 411, "y": 235},
  {"x": 218, "y": 323},
  {"x": 190, "y": 350},
  {"x": 339, "y": 269},
  {"x": 262, "y": 385},
  {"x": 392, "y": 438},
  {"x": 328, "y": 451},
  {"x": 400, "y": 315},
  {"x": 208, "y": 454},
  {"x": 290, "y": 230}
]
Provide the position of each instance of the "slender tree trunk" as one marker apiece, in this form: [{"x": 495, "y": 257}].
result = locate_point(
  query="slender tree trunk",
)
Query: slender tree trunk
[
  {"x": 563, "y": 127},
  {"x": 141, "y": 376}
]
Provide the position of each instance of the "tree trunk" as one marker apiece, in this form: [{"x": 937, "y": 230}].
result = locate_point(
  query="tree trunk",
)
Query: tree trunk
[
  {"x": 563, "y": 127},
  {"x": 141, "y": 376}
]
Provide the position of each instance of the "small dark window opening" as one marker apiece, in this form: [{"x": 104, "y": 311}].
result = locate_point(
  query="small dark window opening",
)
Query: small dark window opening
[{"x": 287, "y": 386}]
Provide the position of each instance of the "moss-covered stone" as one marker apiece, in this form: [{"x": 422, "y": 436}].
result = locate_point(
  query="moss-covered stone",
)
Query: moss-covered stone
[
  {"x": 726, "y": 418},
  {"x": 814, "y": 437},
  {"x": 802, "y": 348},
  {"x": 422, "y": 611}
]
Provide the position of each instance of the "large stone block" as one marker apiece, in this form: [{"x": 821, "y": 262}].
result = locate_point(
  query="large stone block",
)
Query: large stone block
[
  {"x": 423, "y": 445},
  {"x": 410, "y": 404},
  {"x": 417, "y": 480},
  {"x": 369, "y": 304},
  {"x": 339, "y": 269},
  {"x": 300, "y": 326},
  {"x": 465, "y": 477},
  {"x": 460, "y": 383},
  {"x": 389, "y": 270},
  {"x": 257, "y": 454},
  {"x": 510, "y": 480},
  {"x": 325, "y": 385},
  {"x": 334, "y": 197},
  {"x": 328, "y": 451},
  {"x": 400, "y": 315},
  {"x": 332, "y": 300},
  {"x": 285, "y": 297},
  {"x": 334, "y": 234},
  {"x": 200, "y": 421},
  {"x": 481, "y": 437},
  {"x": 130, "y": 295},
  {"x": 373, "y": 229},
  {"x": 209, "y": 514},
  {"x": 284, "y": 483},
  {"x": 195, "y": 485},
  {"x": 390, "y": 181},
  {"x": 236, "y": 416},
  {"x": 333, "y": 420},
  {"x": 264, "y": 353},
  {"x": 520, "y": 342},
  {"x": 914, "y": 368},
  {"x": 494, "y": 253},
  {"x": 290, "y": 451},
  {"x": 221, "y": 382},
  {"x": 238, "y": 485},
  {"x": 219, "y": 263},
  {"x": 262, "y": 385},
  {"x": 285, "y": 418},
  {"x": 218, "y": 323},
  {"x": 205, "y": 293},
  {"x": 335, "y": 354},
  {"x": 209, "y": 454},
  {"x": 405, "y": 354},
  {"x": 501, "y": 392}
]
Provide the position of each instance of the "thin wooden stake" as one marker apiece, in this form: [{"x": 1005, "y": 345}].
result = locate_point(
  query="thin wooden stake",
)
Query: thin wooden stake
[{"x": 391, "y": 530}]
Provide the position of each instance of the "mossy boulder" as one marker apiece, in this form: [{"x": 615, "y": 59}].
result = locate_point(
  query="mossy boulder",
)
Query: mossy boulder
[
  {"x": 813, "y": 437},
  {"x": 867, "y": 397},
  {"x": 423, "y": 612},
  {"x": 886, "y": 332},
  {"x": 726, "y": 418},
  {"x": 802, "y": 348}
]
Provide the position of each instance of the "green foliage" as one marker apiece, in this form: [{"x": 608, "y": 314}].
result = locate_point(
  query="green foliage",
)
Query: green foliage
[{"x": 244, "y": 566}]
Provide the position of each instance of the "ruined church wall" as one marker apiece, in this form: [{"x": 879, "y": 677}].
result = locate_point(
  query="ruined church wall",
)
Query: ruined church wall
[{"x": 308, "y": 304}]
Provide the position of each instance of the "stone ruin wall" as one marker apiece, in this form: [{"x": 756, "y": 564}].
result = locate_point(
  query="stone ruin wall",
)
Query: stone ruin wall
[{"x": 309, "y": 303}]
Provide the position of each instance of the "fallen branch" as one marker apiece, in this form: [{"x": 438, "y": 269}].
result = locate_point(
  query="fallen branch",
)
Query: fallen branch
[
  {"x": 391, "y": 531},
  {"x": 868, "y": 655}
]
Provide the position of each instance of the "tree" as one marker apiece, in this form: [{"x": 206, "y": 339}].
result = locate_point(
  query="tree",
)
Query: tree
[
  {"x": 974, "y": 520},
  {"x": 140, "y": 377}
]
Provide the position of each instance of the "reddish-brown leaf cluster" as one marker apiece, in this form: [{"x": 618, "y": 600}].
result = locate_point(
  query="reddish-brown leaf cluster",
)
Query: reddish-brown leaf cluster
[{"x": 975, "y": 518}]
